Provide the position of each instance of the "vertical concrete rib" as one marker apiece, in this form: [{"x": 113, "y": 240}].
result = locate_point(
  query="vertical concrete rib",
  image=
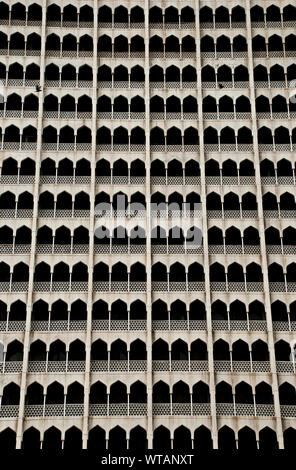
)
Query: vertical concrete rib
[
  {"x": 88, "y": 340},
  {"x": 148, "y": 233},
  {"x": 205, "y": 231},
  {"x": 270, "y": 336},
  {"x": 21, "y": 416}
]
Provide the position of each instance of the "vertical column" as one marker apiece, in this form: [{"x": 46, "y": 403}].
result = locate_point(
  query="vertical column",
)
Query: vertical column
[
  {"x": 270, "y": 337},
  {"x": 34, "y": 230},
  {"x": 92, "y": 190},
  {"x": 148, "y": 234},
  {"x": 205, "y": 231}
]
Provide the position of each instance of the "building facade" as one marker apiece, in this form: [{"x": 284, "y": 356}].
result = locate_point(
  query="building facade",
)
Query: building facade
[{"x": 144, "y": 342}]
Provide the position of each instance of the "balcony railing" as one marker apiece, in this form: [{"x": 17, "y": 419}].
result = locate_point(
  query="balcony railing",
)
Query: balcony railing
[
  {"x": 87, "y": 147},
  {"x": 222, "y": 409},
  {"x": 218, "y": 180},
  {"x": 282, "y": 286},
  {"x": 242, "y": 366},
  {"x": 222, "y": 25},
  {"x": 181, "y": 409},
  {"x": 15, "y": 367},
  {"x": 288, "y": 411},
  {"x": 17, "y": 179},
  {"x": 233, "y": 249},
  {"x": 56, "y": 366},
  {"x": 179, "y": 324},
  {"x": 20, "y": 22},
  {"x": 37, "y": 367},
  {"x": 11, "y": 367},
  {"x": 239, "y": 325},
  {"x": 80, "y": 325},
  {"x": 285, "y": 367},
  {"x": 244, "y": 409},
  {"x": 140, "y": 409},
  {"x": 136, "y": 325},
  {"x": 281, "y": 249},
  {"x": 79, "y": 366},
  {"x": 7, "y": 326},
  {"x": 157, "y": 286},
  {"x": 179, "y": 365},
  {"x": 280, "y": 214},
  {"x": 9, "y": 411},
  {"x": 231, "y": 286},
  {"x": 162, "y": 286},
  {"x": 118, "y": 409},
  {"x": 76, "y": 286},
  {"x": 131, "y": 115},
  {"x": 112, "y": 409}
]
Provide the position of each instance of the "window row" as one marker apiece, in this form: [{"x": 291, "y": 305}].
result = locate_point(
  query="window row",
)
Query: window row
[
  {"x": 136, "y": 310},
  {"x": 121, "y": 44},
  {"x": 80, "y": 235},
  {"x": 119, "y": 440},
  {"x": 172, "y": 73},
  {"x": 181, "y": 393},
  {"x": 173, "y": 108},
  {"x": 178, "y": 350},
  {"x": 104, "y": 104},
  {"x": 160, "y": 203},
  {"x": 136, "y": 272},
  {"x": 136, "y": 104},
  {"x": 223, "y": 76},
  {"x": 70, "y": 14},
  {"x": 124, "y": 172},
  {"x": 173, "y": 136},
  {"x": 122, "y": 168}
]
